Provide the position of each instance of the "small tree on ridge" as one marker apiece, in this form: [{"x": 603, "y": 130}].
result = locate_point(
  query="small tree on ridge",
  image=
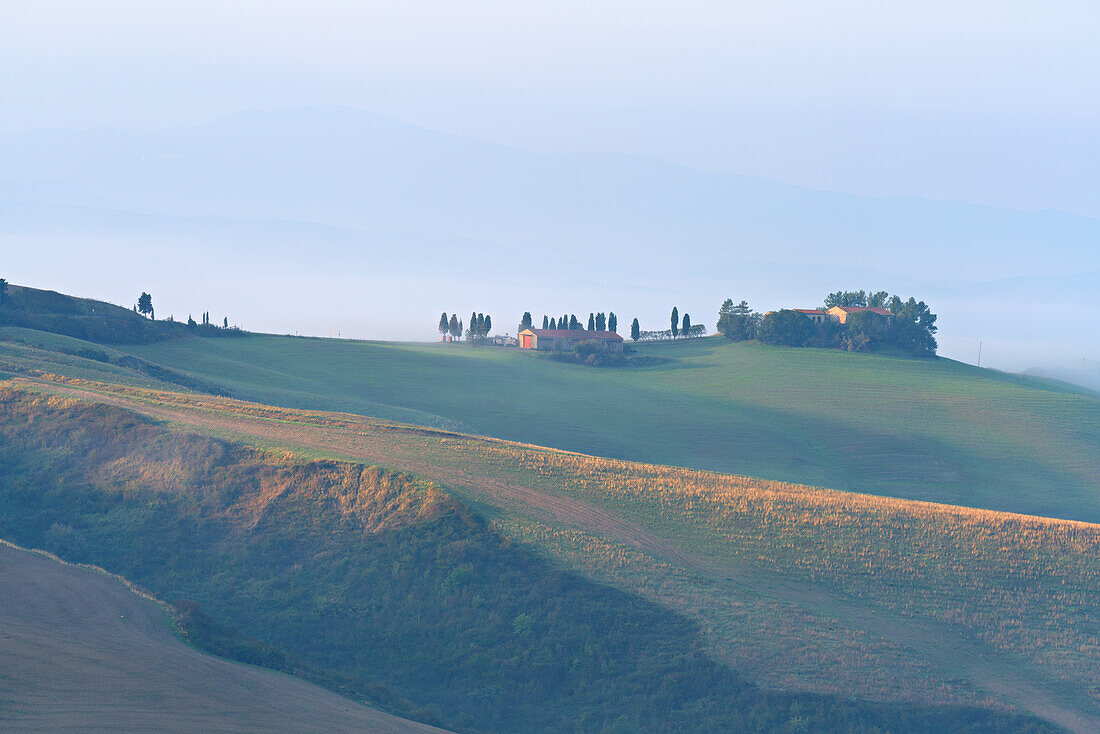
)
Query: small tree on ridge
[{"x": 145, "y": 304}]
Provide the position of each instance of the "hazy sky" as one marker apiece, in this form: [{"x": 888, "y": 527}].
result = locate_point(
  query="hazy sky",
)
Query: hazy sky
[{"x": 987, "y": 102}]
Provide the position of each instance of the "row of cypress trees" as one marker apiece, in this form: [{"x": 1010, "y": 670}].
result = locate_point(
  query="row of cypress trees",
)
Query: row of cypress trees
[
  {"x": 480, "y": 326},
  {"x": 596, "y": 322}
]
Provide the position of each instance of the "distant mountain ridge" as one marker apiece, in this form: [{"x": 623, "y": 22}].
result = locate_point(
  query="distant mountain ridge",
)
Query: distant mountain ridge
[
  {"x": 355, "y": 169},
  {"x": 368, "y": 216}
]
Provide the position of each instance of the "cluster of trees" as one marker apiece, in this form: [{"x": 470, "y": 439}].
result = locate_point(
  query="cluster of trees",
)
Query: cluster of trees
[
  {"x": 911, "y": 329},
  {"x": 591, "y": 353},
  {"x": 694, "y": 330},
  {"x": 678, "y": 328},
  {"x": 480, "y": 326},
  {"x": 452, "y": 326},
  {"x": 737, "y": 322},
  {"x": 144, "y": 306},
  {"x": 206, "y": 321},
  {"x": 596, "y": 322},
  {"x": 878, "y": 299}
]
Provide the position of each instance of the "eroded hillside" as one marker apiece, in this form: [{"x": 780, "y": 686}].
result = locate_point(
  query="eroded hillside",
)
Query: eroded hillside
[
  {"x": 797, "y": 588},
  {"x": 378, "y": 584}
]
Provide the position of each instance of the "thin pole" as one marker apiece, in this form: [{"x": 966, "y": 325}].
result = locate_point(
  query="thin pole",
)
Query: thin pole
[{"x": 979, "y": 352}]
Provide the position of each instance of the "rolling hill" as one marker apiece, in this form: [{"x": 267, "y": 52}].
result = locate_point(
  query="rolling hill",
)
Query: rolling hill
[
  {"x": 788, "y": 589},
  {"x": 82, "y": 652},
  {"x": 387, "y": 588},
  {"x": 934, "y": 430},
  {"x": 929, "y": 429},
  {"x": 796, "y": 589}
]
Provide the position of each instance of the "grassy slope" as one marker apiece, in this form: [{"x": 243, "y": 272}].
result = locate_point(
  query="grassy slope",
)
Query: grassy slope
[
  {"x": 927, "y": 429},
  {"x": 82, "y": 652},
  {"x": 377, "y": 582},
  {"x": 81, "y": 318},
  {"x": 798, "y": 588}
]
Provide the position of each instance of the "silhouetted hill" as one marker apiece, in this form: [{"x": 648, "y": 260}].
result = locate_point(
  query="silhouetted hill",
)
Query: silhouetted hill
[
  {"x": 82, "y": 318},
  {"x": 90, "y": 320}
]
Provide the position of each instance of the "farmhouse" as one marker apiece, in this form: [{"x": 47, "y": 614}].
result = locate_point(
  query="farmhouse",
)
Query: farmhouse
[
  {"x": 840, "y": 314},
  {"x": 813, "y": 314},
  {"x": 565, "y": 339}
]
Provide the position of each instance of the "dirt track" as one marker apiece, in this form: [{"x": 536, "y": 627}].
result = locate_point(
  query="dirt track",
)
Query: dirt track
[
  {"x": 80, "y": 652},
  {"x": 953, "y": 654}
]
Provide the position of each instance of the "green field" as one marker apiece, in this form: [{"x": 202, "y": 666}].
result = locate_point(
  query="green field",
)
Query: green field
[
  {"x": 917, "y": 428},
  {"x": 795, "y": 588},
  {"x": 389, "y": 589}
]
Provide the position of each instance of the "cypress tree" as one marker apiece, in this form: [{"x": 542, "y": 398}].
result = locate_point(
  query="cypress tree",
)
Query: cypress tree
[
  {"x": 553, "y": 324},
  {"x": 675, "y": 322},
  {"x": 573, "y": 323},
  {"x": 687, "y": 324},
  {"x": 635, "y": 330},
  {"x": 444, "y": 324},
  {"x": 601, "y": 322},
  {"x": 453, "y": 327},
  {"x": 525, "y": 322},
  {"x": 591, "y": 322},
  {"x": 488, "y": 324},
  {"x": 546, "y": 322},
  {"x": 613, "y": 322}
]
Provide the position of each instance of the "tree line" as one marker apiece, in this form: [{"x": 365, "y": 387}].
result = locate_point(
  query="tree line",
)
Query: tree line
[
  {"x": 911, "y": 329},
  {"x": 452, "y": 326},
  {"x": 678, "y": 326},
  {"x": 144, "y": 306},
  {"x": 596, "y": 322}
]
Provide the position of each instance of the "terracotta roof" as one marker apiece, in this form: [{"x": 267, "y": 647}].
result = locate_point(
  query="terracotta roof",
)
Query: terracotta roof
[
  {"x": 810, "y": 311},
  {"x": 573, "y": 334},
  {"x": 872, "y": 309}
]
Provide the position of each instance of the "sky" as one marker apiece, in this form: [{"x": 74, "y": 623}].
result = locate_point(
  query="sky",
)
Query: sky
[
  {"x": 989, "y": 103},
  {"x": 986, "y": 102}
]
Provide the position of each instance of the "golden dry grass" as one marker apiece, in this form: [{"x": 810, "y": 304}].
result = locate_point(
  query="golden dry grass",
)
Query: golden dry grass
[{"x": 806, "y": 587}]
